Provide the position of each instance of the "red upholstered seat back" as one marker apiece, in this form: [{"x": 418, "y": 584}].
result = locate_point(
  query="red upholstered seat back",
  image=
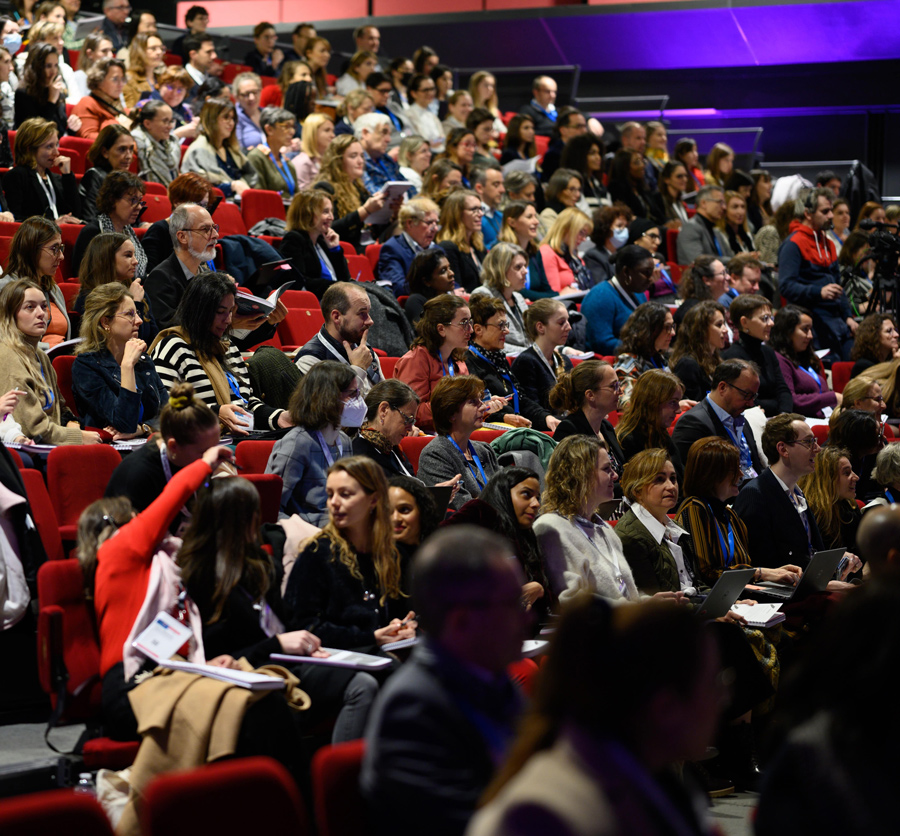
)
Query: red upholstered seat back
[
  {"x": 339, "y": 805},
  {"x": 56, "y": 811}
]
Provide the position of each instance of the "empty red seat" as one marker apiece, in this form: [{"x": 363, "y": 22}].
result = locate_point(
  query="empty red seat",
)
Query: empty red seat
[
  {"x": 300, "y": 299},
  {"x": 373, "y": 251},
  {"x": 258, "y": 204},
  {"x": 339, "y": 805},
  {"x": 42, "y": 512},
  {"x": 229, "y": 219},
  {"x": 360, "y": 269},
  {"x": 56, "y": 811},
  {"x": 77, "y": 475},
  {"x": 348, "y": 248},
  {"x": 229, "y": 71},
  {"x": 269, "y": 487},
  {"x": 230, "y": 797},
  {"x": 158, "y": 207},
  {"x": 63, "y": 368},
  {"x": 412, "y": 447},
  {"x": 155, "y": 188},
  {"x": 300, "y": 325},
  {"x": 251, "y": 456},
  {"x": 840, "y": 375}
]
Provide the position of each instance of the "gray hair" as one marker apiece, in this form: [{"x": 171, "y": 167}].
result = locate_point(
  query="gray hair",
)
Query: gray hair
[
  {"x": 179, "y": 220},
  {"x": 369, "y": 122},
  {"x": 887, "y": 466},
  {"x": 240, "y": 78},
  {"x": 478, "y": 175},
  {"x": 269, "y": 117},
  {"x": 515, "y": 181},
  {"x": 706, "y": 192},
  {"x": 409, "y": 145},
  {"x": 416, "y": 209}
]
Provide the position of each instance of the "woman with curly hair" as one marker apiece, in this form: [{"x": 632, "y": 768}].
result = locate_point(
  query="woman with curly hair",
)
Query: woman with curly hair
[
  {"x": 216, "y": 153},
  {"x": 876, "y": 342},
  {"x": 792, "y": 340},
  {"x": 645, "y": 340},
  {"x": 700, "y": 339},
  {"x": 705, "y": 279},
  {"x": 645, "y": 423},
  {"x": 346, "y": 585},
  {"x": 145, "y": 57},
  {"x": 584, "y": 154},
  {"x": 830, "y": 491},
  {"x": 342, "y": 168}
]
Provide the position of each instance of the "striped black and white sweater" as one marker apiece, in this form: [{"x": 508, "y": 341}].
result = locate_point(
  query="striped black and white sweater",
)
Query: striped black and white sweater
[{"x": 175, "y": 360}]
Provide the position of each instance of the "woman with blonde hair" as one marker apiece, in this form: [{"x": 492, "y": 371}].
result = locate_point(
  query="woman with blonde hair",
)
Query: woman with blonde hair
[
  {"x": 317, "y": 134},
  {"x": 312, "y": 243},
  {"x": 719, "y": 163},
  {"x": 886, "y": 376},
  {"x": 145, "y": 57},
  {"x": 503, "y": 278},
  {"x": 355, "y": 104},
  {"x": 441, "y": 178},
  {"x": 216, "y": 153},
  {"x": 40, "y": 410},
  {"x": 830, "y": 491},
  {"x": 645, "y": 423},
  {"x": 115, "y": 383},
  {"x": 860, "y": 393},
  {"x": 460, "y": 236},
  {"x": 697, "y": 350},
  {"x": 414, "y": 157},
  {"x": 342, "y": 168},
  {"x": 563, "y": 266},
  {"x": 361, "y": 66},
  {"x": 346, "y": 585},
  {"x": 483, "y": 90}
]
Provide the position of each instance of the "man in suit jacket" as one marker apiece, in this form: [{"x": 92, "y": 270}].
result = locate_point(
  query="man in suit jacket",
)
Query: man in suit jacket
[
  {"x": 439, "y": 726},
  {"x": 419, "y": 221},
  {"x": 780, "y": 528},
  {"x": 698, "y": 236},
  {"x": 735, "y": 384},
  {"x": 542, "y": 107}
]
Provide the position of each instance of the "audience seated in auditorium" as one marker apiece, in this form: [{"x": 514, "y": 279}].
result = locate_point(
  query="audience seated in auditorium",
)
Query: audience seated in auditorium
[
  {"x": 808, "y": 276},
  {"x": 734, "y": 387},
  {"x": 173, "y": 84},
  {"x": 460, "y": 237},
  {"x": 35, "y": 253},
  {"x": 627, "y": 185},
  {"x": 461, "y": 146},
  {"x": 418, "y": 220},
  {"x": 519, "y": 143},
  {"x": 610, "y": 234},
  {"x": 115, "y": 383},
  {"x": 438, "y": 716},
  {"x": 566, "y": 272},
  {"x": 379, "y": 88},
  {"x": 609, "y": 304},
  {"x": 111, "y": 258},
  {"x": 355, "y": 104},
  {"x": 159, "y": 152},
  {"x": 362, "y": 64},
  {"x": 414, "y": 158},
  {"x": 40, "y": 93},
  {"x": 273, "y": 168},
  {"x": 876, "y": 342},
  {"x": 345, "y": 308},
  {"x": 480, "y": 123},
  {"x": 216, "y": 154},
  {"x": 752, "y": 316},
  {"x": 744, "y": 273},
  {"x": 486, "y": 360},
  {"x": 247, "y": 89},
  {"x": 520, "y": 226},
  {"x": 733, "y": 224},
  {"x": 803, "y": 372},
  {"x": 583, "y": 153},
  {"x": 830, "y": 491},
  {"x": 440, "y": 178},
  {"x": 196, "y": 349},
  {"x": 699, "y": 343},
  {"x": 119, "y": 203},
  {"x": 373, "y": 131},
  {"x": 200, "y": 55},
  {"x": 459, "y": 106},
  {"x": 487, "y": 183},
  {"x": 686, "y": 153},
  {"x": 421, "y": 91},
  {"x": 861, "y": 434},
  {"x": 56, "y": 195},
  {"x": 40, "y": 409},
  {"x": 563, "y": 192},
  {"x": 266, "y": 58},
  {"x": 645, "y": 423}
]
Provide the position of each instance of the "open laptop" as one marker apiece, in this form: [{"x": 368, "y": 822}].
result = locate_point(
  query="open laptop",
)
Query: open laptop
[
  {"x": 726, "y": 591},
  {"x": 821, "y": 569}
]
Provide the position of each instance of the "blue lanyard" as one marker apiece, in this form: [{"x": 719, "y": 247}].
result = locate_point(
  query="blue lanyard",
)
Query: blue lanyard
[
  {"x": 889, "y": 495},
  {"x": 741, "y": 444},
  {"x": 449, "y": 368},
  {"x": 727, "y": 554},
  {"x": 505, "y": 375},
  {"x": 288, "y": 179},
  {"x": 48, "y": 397},
  {"x": 547, "y": 113},
  {"x": 326, "y": 452},
  {"x": 475, "y": 457},
  {"x": 664, "y": 272},
  {"x": 233, "y": 385},
  {"x": 812, "y": 373}
]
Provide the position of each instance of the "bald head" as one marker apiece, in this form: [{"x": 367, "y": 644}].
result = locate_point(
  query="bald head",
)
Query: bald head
[{"x": 878, "y": 540}]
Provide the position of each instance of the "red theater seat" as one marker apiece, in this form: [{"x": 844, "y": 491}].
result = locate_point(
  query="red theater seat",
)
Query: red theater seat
[
  {"x": 339, "y": 805},
  {"x": 56, "y": 811},
  {"x": 77, "y": 476}
]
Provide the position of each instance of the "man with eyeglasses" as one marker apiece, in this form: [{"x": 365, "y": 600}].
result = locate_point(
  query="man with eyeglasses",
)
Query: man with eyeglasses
[
  {"x": 379, "y": 87},
  {"x": 698, "y": 236},
  {"x": 115, "y": 23},
  {"x": 735, "y": 385},
  {"x": 781, "y": 528},
  {"x": 419, "y": 225},
  {"x": 570, "y": 122},
  {"x": 487, "y": 183}
]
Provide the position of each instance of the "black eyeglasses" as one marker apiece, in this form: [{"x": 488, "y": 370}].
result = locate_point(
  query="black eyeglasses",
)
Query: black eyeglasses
[
  {"x": 748, "y": 396},
  {"x": 408, "y": 420},
  {"x": 809, "y": 443}
]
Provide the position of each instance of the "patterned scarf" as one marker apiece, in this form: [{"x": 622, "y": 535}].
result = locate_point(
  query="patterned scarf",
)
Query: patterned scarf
[
  {"x": 106, "y": 225},
  {"x": 377, "y": 440}
]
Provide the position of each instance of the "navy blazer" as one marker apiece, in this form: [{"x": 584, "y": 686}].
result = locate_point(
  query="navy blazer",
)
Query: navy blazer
[
  {"x": 394, "y": 260},
  {"x": 701, "y": 421},
  {"x": 776, "y": 534}
]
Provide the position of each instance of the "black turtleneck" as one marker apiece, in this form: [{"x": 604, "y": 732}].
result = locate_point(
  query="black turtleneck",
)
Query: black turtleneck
[{"x": 774, "y": 395}]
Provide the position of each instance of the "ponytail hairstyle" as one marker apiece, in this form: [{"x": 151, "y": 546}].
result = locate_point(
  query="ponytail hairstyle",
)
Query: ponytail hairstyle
[
  {"x": 185, "y": 416},
  {"x": 568, "y": 393}
]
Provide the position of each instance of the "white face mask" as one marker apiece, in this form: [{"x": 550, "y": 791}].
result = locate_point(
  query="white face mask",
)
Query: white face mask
[
  {"x": 620, "y": 237},
  {"x": 354, "y": 412}
]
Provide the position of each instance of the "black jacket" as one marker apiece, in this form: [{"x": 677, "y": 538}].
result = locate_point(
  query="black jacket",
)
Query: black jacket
[
  {"x": 28, "y": 107},
  {"x": 27, "y": 198},
  {"x": 774, "y": 395},
  {"x": 535, "y": 377},
  {"x": 462, "y": 265},
  {"x": 775, "y": 531},
  {"x": 157, "y": 243},
  {"x": 697, "y": 383},
  {"x": 297, "y": 245},
  {"x": 578, "y": 424},
  {"x": 88, "y": 189},
  {"x": 387, "y": 461},
  {"x": 701, "y": 421}
]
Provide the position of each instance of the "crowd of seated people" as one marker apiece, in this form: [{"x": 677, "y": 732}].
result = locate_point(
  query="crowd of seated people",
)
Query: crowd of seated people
[{"x": 704, "y": 407}]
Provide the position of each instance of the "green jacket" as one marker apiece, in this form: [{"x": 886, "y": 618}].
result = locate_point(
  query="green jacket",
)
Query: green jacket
[{"x": 652, "y": 564}]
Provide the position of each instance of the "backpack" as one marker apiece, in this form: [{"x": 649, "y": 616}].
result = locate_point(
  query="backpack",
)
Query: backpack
[{"x": 525, "y": 439}]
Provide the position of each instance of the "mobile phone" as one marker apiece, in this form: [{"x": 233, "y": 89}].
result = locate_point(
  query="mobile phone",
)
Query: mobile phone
[
  {"x": 137, "y": 220},
  {"x": 214, "y": 205}
]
